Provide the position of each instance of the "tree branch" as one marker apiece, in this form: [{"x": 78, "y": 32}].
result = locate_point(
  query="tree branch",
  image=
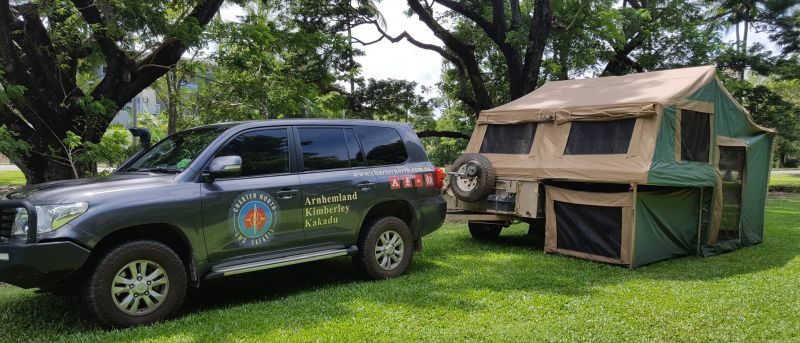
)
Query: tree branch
[
  {"x": 463, "y": 93},
  {"x": 405, "y": 35},
  {"x": 116, "y": 61},
  {"x": 465, "y": 53},
  {"x": 446, "y": 134},
  {"x": 43, "y": 67},
  {"x": 616, "y": 65},
  {"x": 9, "y": 59},
  {"x": 156, "y": 63},
  {"x": 14, "y": 122},
  {"x": 479, "y": 20}
]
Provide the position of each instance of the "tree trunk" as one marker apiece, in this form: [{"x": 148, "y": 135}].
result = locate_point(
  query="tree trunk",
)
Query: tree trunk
[
  {"x": 738, "y": 40},
  {"x": 172, "y": 98},
  {"x": 563, "y": 61},
  {"x": 48, "y": 160},
  {"x": 744, "y": 48},
  {"x": 172, "y": 118},
  {"x": 51, "y": 104},
  {"x": 538, "y": 36},
  {"x": 38, "y": 169}
]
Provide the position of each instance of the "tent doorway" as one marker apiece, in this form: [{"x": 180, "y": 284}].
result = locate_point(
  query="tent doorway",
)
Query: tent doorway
[{"x": 732, "y": 162}]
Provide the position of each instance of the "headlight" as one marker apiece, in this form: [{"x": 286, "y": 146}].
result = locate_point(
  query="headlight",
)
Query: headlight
[{"x": 50, "y": 217}]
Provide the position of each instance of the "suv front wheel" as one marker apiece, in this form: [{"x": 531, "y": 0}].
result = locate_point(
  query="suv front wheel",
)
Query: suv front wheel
[
  {"x": 137, "y": 282},
  {"x": 385, "y": 250}
]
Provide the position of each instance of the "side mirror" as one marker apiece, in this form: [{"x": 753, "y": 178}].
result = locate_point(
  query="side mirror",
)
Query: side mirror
[{"x": 224, "y": 166}]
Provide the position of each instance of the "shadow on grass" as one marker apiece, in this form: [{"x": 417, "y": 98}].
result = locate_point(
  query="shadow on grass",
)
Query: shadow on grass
[{"x": 448, "y": 275}]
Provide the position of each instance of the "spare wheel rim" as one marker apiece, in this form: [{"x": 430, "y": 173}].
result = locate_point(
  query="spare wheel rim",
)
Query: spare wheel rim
[{"x": 464, "y": 183}]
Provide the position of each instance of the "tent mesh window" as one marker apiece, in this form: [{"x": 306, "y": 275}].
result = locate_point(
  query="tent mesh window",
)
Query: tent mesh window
[
  {"x": 732, "y": 167},
  {"x": 600, "y": 137},
  {"x": 508, "y": 139},
  {"x": 695, "y": 136},
  {"x": 589, "y": 229}
]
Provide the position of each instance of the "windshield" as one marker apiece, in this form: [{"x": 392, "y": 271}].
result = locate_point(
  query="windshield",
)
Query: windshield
[{"x": 176, "y": 152}]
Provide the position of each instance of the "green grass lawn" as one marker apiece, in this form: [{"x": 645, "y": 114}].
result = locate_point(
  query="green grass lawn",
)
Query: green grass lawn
[
  {"x": 460, "y": 289},
  {"x": 12, "y": 178},
  {"x": 784, "y": 182}
]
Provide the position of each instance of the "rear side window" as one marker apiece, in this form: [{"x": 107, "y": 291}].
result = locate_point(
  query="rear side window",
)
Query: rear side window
[
  {"x": 508, "y": 139},
  {"x": 600, "y": 137},
  {"x": 382, "y": 145},
  {"x": 263, "y": 152},
  {"x": 324, "y": 148},
  {"x": 695, "y": 136}
]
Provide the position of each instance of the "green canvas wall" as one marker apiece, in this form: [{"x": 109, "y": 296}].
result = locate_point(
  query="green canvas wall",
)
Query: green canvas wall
[
  {"x": 666, "y": 225},
  {"x": 730, "y": 121}
]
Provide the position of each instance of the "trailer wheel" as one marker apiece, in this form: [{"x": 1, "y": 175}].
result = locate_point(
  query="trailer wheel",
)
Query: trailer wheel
[{"x": 475, "y": 177}]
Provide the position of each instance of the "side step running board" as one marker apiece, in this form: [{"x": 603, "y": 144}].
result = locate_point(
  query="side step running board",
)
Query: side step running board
[{"x": 279, "y": 262}]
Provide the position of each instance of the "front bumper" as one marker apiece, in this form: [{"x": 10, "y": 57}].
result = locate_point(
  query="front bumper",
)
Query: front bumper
[{"x": 29, "y": 265}]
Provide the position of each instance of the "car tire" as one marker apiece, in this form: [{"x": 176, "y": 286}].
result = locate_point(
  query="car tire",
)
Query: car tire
[
  {"x": 386, "y": 249},
  {"x": 135, "y": 283},
  {"x": 484, "y": 231},
  {"x": 478, "y": 186}
]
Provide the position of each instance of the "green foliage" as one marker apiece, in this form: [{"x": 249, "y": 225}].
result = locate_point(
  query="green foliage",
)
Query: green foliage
[
  {"x": 10, "y": 92},
  {"x": 112, "y": 150},
  {"x": 283, "y": 60},
  {"x": 156, "y": 124},
  {"x": 67, "y": 66},
  {"x": 73, "y": 141},
  {"x": 443, "y": 151},
  {"x": 768, "y": 108},
  {"x": 11, "y": 145}
]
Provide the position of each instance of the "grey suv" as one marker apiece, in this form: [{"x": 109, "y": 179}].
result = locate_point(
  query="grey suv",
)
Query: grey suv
[{"x": 221, "y": 200}]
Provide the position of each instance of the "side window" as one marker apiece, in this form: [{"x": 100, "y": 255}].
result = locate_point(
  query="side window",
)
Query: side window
[
  {"x": 263, "y": 152},
  {"x": 600, "y": 137},
  {"x": 695, "y": 136},
  {"x": 353, "y": 149},
  {"x": 324, "y": 148},
  {"x": 382, "y": 145},
  {"x": 508, "y": 139}
]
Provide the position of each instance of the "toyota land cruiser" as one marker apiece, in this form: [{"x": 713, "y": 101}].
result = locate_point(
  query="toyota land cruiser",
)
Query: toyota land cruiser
[{"x": 221, "y": 200}]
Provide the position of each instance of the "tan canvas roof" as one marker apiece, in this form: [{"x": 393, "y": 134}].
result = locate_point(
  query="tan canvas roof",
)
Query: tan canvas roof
[{"x": 629, "y": 95}]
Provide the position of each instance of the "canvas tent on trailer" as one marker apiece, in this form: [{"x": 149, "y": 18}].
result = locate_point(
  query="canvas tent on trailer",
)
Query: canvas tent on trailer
[{"x": 636, "y": 168}]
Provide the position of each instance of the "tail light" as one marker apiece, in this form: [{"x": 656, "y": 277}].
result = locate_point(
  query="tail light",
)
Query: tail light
[{"x": 440, "y": 175}]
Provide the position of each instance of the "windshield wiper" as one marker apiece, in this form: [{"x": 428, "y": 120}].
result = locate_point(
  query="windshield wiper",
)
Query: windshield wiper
[{"x": 157, "y": 170}]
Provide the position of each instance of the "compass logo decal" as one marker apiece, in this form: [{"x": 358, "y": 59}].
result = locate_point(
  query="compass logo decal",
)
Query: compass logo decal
[{"x": 253, "y": 216}]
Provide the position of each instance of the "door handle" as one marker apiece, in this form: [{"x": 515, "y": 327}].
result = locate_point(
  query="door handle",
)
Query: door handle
[
  {"x": 365, "y": 186},
  {"x": 286, "y": 193}
]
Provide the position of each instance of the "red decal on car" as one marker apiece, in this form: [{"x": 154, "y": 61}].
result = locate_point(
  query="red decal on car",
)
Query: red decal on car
[
  {"x": 407, "y": 182},
  {"x": 429, "y": 180},
  {"x": 418, "y": 181},
  {"x": 394, "y": 182}
]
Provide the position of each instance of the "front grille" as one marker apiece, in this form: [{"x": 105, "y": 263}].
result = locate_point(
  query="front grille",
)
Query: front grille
[{"x": 7, "y": 221}]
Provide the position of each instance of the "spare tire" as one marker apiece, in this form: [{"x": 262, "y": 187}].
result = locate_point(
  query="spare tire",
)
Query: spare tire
[{"x": 473, "y": 177}]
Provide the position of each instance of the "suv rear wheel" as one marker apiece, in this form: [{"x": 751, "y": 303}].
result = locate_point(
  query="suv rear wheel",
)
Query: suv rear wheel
[
  {"x": 135, "y": 283},
  {"x": 485, "y": 231},
  {"x": 386, "y": 249}
]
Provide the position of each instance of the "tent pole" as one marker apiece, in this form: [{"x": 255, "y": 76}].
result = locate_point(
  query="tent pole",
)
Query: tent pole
[
  {"x": 700, "y": 221},
  {"x": 634, "y": 187}
]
